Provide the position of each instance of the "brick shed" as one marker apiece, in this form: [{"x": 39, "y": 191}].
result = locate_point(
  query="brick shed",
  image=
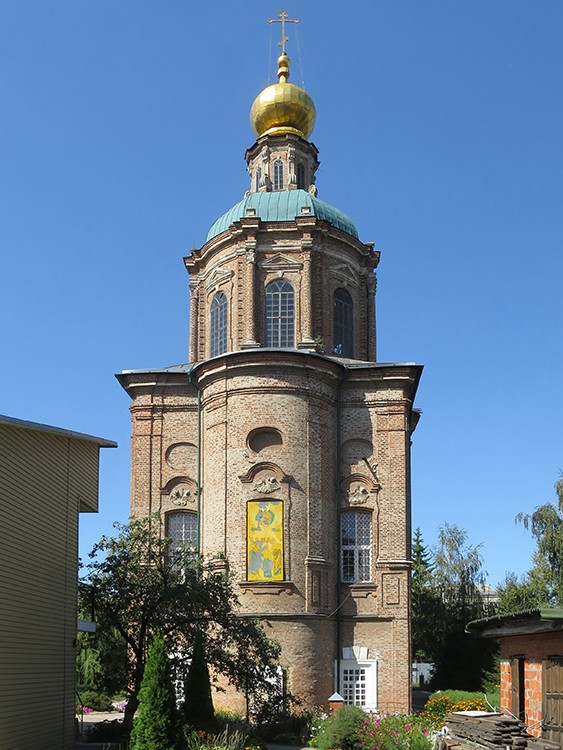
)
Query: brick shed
[{"x": 531, "y": 667}]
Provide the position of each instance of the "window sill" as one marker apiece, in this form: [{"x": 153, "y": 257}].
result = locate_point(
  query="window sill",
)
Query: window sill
[
  {"x": 267, "y": 587},
  {"x": 360, "y": 590}
]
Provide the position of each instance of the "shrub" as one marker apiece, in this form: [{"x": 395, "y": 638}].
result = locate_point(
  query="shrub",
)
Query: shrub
[
  {"x": 341, "y": 730},
  {"x": 441, "y": 704},
  {"x": 96, "y": 701},
  {"x": 198, "y": 704},
  {"x": 284, "y": 728},
  {"x": 157, "y": 725},
  {"x": 105, "y": 731},
  {"x": 395, "y": 732},
  {"x": 226, "y": 740}
]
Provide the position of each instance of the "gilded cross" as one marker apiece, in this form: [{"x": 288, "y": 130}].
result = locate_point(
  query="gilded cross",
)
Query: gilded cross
[{"x": 283, "y": 19}]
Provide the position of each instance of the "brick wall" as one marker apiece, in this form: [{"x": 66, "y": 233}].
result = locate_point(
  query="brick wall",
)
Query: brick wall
[
  {"x": 533, "y": 649},
  {"x": 294, "y": 393}
]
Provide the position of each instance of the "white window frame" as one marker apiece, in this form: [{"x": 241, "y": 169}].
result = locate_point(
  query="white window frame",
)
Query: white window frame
[
  {"x": 368, "y": 685},
  {"x": 359, "y": 553}
]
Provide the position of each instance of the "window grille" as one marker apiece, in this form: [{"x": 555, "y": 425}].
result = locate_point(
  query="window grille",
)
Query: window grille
[
  {"x": 218, "y": 332},
  {"x": 354, "y": 686},
  {"x": 278, "y": 174},
  {"x": 343, "y": 324},
  {"x": 280, "y": 314},
  {"x": 182, "y": 530},
  {"x": 355, "y": 545}
]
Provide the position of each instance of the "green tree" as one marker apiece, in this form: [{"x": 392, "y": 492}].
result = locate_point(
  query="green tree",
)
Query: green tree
[
  {"x": 157, "y": 725},
  {"x": 140, "y": 586},
  {"x": 101, "y": 662},
  {"x": 463, "y": 658},
  {"x": 532, "y": 591},
  {"x": 198, "y": 704},
  {"x": 427, "y": 606},
  {"x": 546, "y": 526}
]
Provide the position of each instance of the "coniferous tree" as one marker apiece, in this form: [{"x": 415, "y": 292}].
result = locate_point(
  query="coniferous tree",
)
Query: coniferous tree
[
  {"x": 198, "y": 704},
  {"x": 157, "y": 725},
  {"x": 427, "y": 606}
]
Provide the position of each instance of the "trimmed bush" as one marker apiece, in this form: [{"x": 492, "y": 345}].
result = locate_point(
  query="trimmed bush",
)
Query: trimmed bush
[
  {"x": 198, "y": 704},
  {"x": 157, "y": 725}
]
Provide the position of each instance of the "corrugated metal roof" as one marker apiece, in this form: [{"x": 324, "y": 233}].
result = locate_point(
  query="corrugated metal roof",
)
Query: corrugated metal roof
[
  {"x": 283, "y": 205},
  {"x": 14, "y": 422},
  {"x": 545, "y": 614}
]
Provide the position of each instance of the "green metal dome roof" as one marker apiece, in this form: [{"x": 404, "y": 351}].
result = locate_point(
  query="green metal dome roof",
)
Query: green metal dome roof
[{"x": 283, "y": 205}]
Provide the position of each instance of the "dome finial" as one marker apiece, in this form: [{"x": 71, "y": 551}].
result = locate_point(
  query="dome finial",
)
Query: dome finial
[
  {"x": 283, "y": 19},
  {"x": 283, "y": 107},
  {"x": 283, "y": 68}
]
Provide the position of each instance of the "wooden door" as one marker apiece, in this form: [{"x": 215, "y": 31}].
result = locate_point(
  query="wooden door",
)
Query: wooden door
[{"x": 552, "y": 703}]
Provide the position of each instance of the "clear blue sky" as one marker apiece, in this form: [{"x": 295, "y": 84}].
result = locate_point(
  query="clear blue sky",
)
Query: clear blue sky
[{"x": 439, "y": 125}]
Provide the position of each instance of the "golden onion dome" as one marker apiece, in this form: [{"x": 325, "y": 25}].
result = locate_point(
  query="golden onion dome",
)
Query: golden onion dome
[{"x": 283, "y": 107}]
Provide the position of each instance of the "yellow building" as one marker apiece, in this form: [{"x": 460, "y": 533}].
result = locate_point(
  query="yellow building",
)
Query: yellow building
[{"x": 47, "y": 477}]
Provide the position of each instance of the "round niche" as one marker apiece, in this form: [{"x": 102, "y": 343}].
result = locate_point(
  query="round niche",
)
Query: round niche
[
  {"x": 264, "y": 439},
  {"x": 182, "y": 457},
  {"x": 354, "y": 451}
]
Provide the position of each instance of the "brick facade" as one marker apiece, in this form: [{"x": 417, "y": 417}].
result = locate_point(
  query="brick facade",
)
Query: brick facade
[{"x": 321, "y": 434}]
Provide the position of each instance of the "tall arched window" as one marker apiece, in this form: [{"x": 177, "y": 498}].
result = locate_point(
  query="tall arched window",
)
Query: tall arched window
[
  {"x": 258, "y": 178},
  {"x": 280, "y": 313},
  {"x": 182, "y": 530},
  {"x": 343, "y": 324},
  {"x": 300, "y": 172},
  {"x": 355, "y": 546},
  {"x": 218, "y": 328},
  {"x": 278, "y": 174}
]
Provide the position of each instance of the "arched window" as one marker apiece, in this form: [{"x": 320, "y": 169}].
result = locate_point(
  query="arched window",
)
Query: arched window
[
  {"x": 355, "y": 546},
  {"x": 182, "y": 530},
  {"x": 258, "y": 178},
  {"x": 343, "y": 324},
  {"x": 280, "y": 313},
  {"x": 300, "y": 172},
  {"x": 218, "y": 332},
  {"x": 278, "y": 174}
]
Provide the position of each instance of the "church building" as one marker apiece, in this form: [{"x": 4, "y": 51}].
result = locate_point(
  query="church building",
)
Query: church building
[{"x": 281, "y": 450}]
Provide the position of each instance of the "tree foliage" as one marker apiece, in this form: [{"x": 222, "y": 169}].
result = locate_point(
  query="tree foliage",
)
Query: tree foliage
[
  {"x": 101, "y": 662},
  {"x": 157, "y": 725},
  {"x": 446, "y": 595},
  {"x": 140, "y": 585},
  {"x": 198, "y": 704},
  {"x": 532, "y": 591},
  {"x": 546, "y": 526},
  {"x": 427, "y": 604},
  {"x": 458, "y": 573},
  {"x": 463, "y": 658}
]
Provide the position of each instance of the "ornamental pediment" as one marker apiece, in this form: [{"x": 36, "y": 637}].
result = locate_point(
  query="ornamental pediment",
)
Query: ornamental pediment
[
  {"x": 344, "y": 273},
  {"x": 359, "y": 489},
  {"x": 217, "y": 277},
  {"x": 280, "y": 262}
]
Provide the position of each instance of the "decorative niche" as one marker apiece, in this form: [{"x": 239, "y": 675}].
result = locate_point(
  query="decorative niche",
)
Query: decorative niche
[{"x": 264, "y": 439}]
